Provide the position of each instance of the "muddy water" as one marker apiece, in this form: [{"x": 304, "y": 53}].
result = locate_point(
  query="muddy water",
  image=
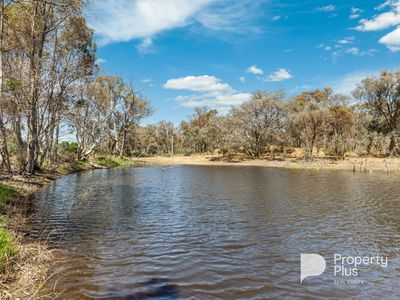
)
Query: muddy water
[{"x": 185, "y": 232}]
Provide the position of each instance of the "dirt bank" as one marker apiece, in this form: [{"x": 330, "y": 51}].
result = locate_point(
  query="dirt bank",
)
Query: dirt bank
[{"x": 356, "y": 164}]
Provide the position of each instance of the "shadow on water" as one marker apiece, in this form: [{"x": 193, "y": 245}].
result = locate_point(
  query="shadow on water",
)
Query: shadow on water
[{"x": 156, "y": 288}]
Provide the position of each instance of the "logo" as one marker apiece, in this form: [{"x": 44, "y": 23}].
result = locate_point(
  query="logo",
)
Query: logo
[
  {"x": 346, "y": 269},
  {"x": 311, "y": 265}
]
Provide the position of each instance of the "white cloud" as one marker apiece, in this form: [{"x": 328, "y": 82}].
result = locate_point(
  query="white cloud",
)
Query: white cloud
[
  {"x": 145, "y": 45},
  {"x": 355, "y": 10},
  {"x": 347, "y": 83},
  {"x": 276, "y": 18},
  {"x": 388, "y": 3},
  {"x": 147, "y": 81},
  {"x": 357, "y": 52},
  {"x": 384, "y": 21},
  {"x": 354, "y": 51},
  {"x": 255, "y": 70},
  {"x": 203, "y": 83},
  {"x": 100, "y": 61},
  {"x": 328, "y": 8},
  {"x": 355, "y": 16},
  {"x": 125, "y": 20},
  {"x": 242, "y": 79},
  {"x": 210, "y": 92},
  {"x": 392, "y": 40},
  {"x": 231, "y": 15},
  {"x": 347, "y": 40},
  {"x": 218, "y": 101},
  {"x": 280, "y": 75}
]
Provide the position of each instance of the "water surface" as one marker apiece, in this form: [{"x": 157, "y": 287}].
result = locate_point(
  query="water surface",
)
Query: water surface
[{"x": 186, "y": 232}]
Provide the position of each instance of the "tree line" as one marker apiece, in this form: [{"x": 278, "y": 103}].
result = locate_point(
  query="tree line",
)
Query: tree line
[
  {"x": 270, "y": 124},
  {"x": 50, "y": 84}
]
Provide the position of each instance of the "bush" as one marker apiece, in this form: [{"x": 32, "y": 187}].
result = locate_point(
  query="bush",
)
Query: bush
[
  {"x": 152, "y": 149},
  {"x": 135, "y": 153},
  {"x": 68, "y": 149}
]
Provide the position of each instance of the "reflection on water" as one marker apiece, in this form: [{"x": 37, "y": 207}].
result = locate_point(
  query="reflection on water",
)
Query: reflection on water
[{"x": 218, "y": 232}]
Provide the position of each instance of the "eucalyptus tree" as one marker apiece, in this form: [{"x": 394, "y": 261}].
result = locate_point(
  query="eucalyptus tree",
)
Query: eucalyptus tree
[
  {"x": 258, "y": 122},
  {"x": 380, "y": 96},
  {"x": 49, "y": 48},
  {"x": 199, "y": 133}
]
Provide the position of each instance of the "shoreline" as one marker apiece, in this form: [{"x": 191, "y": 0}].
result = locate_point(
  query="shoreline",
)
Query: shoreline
[
  {"x": 354, "y": 164},
  {"x": 27, "y": 271}
]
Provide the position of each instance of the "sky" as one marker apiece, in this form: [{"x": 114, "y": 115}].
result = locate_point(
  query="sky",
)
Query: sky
[{"x": 182, "y": 54}]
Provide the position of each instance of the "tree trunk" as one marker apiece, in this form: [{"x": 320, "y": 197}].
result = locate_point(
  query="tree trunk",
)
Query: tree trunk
[
  {"x": 3, "y": 146},
  {"x": 38, "y": 40}
]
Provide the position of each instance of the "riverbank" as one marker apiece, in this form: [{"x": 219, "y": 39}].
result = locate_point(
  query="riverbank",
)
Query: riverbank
[
  {"x": 25, "y": 265},
  {"x": 355, "y": 164}
]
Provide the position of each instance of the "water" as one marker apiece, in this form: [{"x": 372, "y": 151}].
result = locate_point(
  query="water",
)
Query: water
[{"x": 186, "y": 232}]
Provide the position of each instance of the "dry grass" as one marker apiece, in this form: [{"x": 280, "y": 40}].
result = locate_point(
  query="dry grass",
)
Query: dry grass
[
  {"x": 355, "y": 164},
  {"x": 27, "y": 272}
]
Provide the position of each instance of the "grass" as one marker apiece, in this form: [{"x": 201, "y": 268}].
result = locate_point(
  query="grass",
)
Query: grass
[
  {"x": 7, "y": 193},
  {"x": 8, "y": 249},
  {"x": 74, "y": 166}
]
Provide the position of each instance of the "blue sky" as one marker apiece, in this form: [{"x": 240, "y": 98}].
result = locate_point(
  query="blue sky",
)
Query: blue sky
[{"x": 186, "y": 53}]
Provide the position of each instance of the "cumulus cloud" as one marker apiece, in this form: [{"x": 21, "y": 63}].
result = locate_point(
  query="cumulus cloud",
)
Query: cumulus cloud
[
  {"x": 125, "y": 20},
  {"x": 279, "y": 75},
  {"x": 392, "y": 40},
  {"x": 384, "y": 21},
  {"x": 255, "y": 70},
  {"x": 327, "y": 8},
  {"x": 203, "y": 83},
  {"x": 210, "y": 91}
]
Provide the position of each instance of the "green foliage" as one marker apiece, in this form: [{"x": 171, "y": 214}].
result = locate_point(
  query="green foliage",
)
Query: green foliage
[
  {"x": 8, "y": 249},
  {"x": 6, "y": 194},
  {"x": 67, "y": 148},
  {"x": 74, "y": 166}
]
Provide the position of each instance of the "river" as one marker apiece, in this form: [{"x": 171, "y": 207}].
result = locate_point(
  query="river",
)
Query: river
[{"x": 191, "y": 232}]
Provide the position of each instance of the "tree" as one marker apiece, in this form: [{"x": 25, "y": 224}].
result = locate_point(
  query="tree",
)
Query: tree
[
  {"x": 310, "y": 115},
  {"x": 381, "y": 98},
  {"x": 258, "y": 122},
  {"x": 199, "y": 134},
  {"x": 341, "y": 128}
]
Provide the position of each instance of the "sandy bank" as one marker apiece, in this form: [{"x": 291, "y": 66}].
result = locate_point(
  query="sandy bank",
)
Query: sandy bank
[{"x": 356, "y": 164}]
